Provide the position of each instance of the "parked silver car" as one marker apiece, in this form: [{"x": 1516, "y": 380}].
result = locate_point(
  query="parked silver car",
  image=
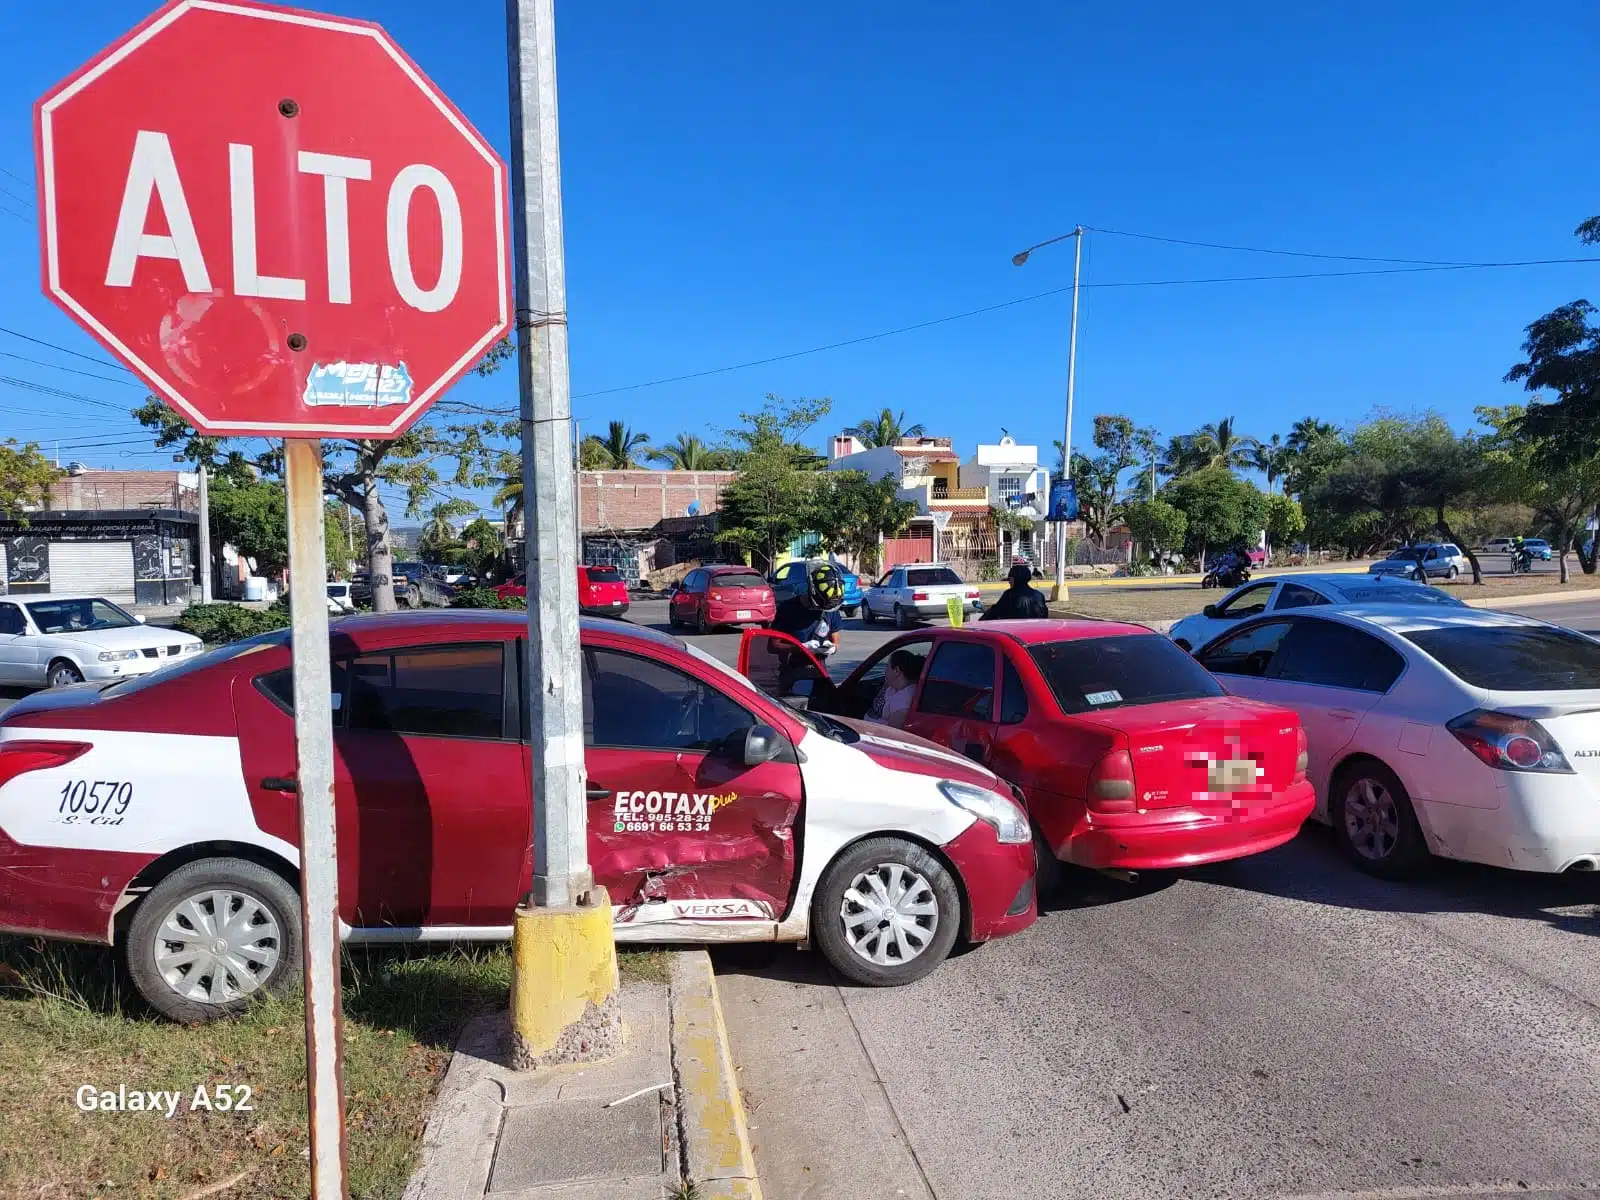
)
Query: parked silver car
[{"x": 1435, "y": 559}]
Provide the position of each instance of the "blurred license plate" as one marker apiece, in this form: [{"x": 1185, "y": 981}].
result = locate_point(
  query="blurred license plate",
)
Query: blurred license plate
[
  {"x": 1231, "y": 774},
  {"x": 743, "y": 614}
]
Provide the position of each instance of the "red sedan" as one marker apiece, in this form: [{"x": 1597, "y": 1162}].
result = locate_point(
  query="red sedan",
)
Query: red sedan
[
  {"x": 712, "y": 596},
  {"x": 1130, "y": 755},
  {"x": 601, "y": 591}
]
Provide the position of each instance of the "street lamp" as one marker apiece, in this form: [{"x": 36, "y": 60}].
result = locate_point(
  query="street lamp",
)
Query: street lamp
[{"x": 1072, "y": 363}]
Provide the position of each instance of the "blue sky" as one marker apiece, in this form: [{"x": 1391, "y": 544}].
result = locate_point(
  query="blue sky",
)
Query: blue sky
[{"x": 748, "y": 180}]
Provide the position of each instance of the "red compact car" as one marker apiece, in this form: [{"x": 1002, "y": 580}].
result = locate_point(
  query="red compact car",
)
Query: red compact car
[
  {"x": 601, "y": 591},
  {"x": 712, "y": 596},
  {"x": 1129, "y": 754}
]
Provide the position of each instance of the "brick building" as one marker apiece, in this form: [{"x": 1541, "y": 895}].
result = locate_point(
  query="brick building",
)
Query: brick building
[{"x": 637, "y": 500}]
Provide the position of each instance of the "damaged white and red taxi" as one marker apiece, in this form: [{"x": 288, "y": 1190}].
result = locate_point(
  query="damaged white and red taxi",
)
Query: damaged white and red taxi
[{"x": 159, "y": 813}]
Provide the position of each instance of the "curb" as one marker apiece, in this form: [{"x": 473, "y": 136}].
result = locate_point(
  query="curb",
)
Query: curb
[
  {"x": 1537, "y": 598},
  {"x": 715, "y": 1137}
]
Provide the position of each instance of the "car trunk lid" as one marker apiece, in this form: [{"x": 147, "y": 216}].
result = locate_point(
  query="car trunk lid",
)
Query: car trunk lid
[{"x": 1207, "y": 752}]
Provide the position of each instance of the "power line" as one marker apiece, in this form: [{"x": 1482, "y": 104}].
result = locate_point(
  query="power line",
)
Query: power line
[
  {"x": 7, "y": 190},
  {"x": 1150, "y": 237},
  {"x": 1133, "y": 283},
  {"x": 11, "y": 212},
  {"x": 104, "y": 362},
  {"x": 29, "y": 385},
  {"x": 14, "y": 175},
  {"x": 39, "y": 362}
]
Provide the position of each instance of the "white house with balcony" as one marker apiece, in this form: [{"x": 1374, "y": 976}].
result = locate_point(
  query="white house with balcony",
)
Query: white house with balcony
[
  {"x": 953, "y": 519},
  {"x": 1015, "y": 483}
]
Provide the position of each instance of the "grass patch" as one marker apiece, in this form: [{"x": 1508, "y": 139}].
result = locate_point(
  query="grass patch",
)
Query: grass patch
[{"x": 69, "y": 1017}]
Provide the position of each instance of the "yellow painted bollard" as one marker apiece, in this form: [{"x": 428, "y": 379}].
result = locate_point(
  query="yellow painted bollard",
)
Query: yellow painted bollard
[{"x": 954, "y": 606}]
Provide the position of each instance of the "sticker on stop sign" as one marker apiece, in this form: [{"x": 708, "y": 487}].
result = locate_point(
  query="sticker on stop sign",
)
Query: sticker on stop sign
[{"x": 275, "y": 219}]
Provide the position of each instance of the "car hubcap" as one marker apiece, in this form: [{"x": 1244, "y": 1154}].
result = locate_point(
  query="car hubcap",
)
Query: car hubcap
[
  {"x": 890, "y": 914},
  {"x": 1371, "y": 819},
  {"x": 217, "y": 947}
]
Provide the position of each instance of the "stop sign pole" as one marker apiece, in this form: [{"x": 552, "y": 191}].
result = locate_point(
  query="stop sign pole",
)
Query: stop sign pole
[{"x": 275, "y": 220}]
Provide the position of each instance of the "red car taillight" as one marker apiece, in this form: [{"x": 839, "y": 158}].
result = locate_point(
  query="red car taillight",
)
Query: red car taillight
[
  {"x": 919, "y": 596},
  {"x": 20, "y": 757},
  {"x": 1111, "y": 784},
  {"x": 972, "y": 593},
  {"x": 1508, "y": 743},
  {"x": 1302, "y": 759}
]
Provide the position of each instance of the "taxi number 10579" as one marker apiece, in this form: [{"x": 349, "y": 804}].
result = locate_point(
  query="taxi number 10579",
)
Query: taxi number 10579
[{"x": 102, "y": 802}]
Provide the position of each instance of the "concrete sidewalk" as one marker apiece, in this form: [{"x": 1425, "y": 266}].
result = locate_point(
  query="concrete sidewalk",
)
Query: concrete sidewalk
[{"x": 663, "y": 1120}]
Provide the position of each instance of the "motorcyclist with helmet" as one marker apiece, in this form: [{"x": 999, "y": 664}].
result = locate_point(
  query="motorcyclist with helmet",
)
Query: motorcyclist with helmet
[
  {"x": 1521, "y": 556},
  {"x": 812, "y": 616}
]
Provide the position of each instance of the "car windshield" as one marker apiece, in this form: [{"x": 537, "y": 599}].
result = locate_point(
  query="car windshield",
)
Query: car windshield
[
  {"x": 78, "y": 616},
  {"x": 197, "y": 662},
  {"x": 738, "y": 579},
  {"x": 1514, "y": 658},
  {"x": 1399, "y": 595},
  {"x": 1096, "y": 673},
  {"x": 1405, "y": 554},
  {"x": 927, "y": 576}
]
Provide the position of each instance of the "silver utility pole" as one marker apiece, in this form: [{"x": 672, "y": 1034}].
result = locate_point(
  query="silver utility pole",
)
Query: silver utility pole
[
  {"x": 313, "y": 781},
  {"x": 1066, "y": 438},
  {"x": 561, "y": 875},
  {"x": 205, "y": 540}
]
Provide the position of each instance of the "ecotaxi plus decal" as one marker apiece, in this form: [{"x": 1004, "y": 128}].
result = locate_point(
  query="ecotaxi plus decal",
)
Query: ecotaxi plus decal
[{"x": 668, "y": 812}]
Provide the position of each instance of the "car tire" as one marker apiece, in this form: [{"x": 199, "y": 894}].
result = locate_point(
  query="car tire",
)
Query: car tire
[
  {"x": 852, "y": 610},
  {"x": 901, "y": 619},
  {"x": 186, "y": 901},
  {"x": 1374, "y": 822},
  {"x": 1049, "y": 876},
  {"x": 701, "y": 625},
  {"x": 1453, "y": 572},
  {"x": 62, "y": 673},
  {"x": 868, "y": 617},
  {"x": 844, "y": 892}
]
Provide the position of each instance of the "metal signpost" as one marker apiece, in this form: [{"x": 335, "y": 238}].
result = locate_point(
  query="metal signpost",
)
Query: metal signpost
[{"x": 275, "y": 219}]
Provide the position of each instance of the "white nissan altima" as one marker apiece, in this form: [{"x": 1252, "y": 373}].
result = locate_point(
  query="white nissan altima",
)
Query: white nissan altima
[
  {"x": 1456, "y": 732},
  {"x": 51, "y": 641}
]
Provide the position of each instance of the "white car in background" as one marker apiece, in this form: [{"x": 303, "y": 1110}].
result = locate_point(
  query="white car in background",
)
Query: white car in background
[
  {"x": 1455, "y": 732},
  {"x": 915, "y": 592},
  {"x": 51, "y": 641},
  {"x": 1300, "y": 591}
]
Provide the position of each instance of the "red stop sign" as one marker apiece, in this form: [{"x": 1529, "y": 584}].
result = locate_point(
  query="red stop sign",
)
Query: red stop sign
[{"x": 274, "y": 218}]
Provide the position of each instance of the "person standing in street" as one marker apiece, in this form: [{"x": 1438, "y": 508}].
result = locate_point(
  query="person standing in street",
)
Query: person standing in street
[{"x": 1019, "y": 600}]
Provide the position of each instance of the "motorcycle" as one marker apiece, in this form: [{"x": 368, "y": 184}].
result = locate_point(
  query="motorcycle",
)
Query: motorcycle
[
  {"x": 1226, "y": 575},
  {"x": 1521, "y": 561}
]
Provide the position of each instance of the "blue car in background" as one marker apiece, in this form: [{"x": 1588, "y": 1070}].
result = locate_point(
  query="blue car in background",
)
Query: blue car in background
[{"x": 790, "y": 580}]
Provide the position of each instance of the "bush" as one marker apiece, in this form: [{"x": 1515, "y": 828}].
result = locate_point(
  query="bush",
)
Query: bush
[
  {"x": 482, "y": 597},
  {"x": 215, "y": 624}
]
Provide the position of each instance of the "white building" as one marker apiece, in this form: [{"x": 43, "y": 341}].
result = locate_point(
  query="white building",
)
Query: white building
[
  {"x": 952, "y": 519},
  {"x": 1014, "y": 481}
]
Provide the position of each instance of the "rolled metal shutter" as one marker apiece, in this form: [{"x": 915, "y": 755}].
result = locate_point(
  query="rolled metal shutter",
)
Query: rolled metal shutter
[{"x": 92, "y": 569}]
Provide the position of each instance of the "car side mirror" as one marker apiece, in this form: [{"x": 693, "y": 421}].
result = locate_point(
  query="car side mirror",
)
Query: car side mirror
[
  {"x": 139, "y": 617},
  {"x": 763, "y": 744},
  {"x": 1211, "y": 610}
]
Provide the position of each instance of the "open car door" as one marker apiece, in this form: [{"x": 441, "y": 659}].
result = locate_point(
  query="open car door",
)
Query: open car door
[{"x": 782, "y": 667}]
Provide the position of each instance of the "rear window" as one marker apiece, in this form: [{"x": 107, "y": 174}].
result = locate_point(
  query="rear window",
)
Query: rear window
[
  {"x": 604, "y": 575},
  {"x": 741, "y": 579},
  {"x": 929, "y": 576},
  {"x": 1091, "y": 674},
  {"x": 1399, "y": 595},
  {"x": 1513, "y": 658}
]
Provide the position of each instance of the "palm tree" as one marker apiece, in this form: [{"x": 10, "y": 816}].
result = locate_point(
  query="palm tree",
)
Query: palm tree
[
  {"x": 1306, "y": 432},
  {"x": 1272, "y": 458},
  {"x": 1181, "y": 457},
  {"x": 885, "y": 429},
  {"x": 1219, "y": 445},
  {"x": 622, "y": 444},
  {"x": 686, "y": 452}
]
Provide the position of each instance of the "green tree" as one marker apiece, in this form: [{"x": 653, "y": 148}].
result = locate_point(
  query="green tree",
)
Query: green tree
[
  {"x": 1562, "y": 497},
  {"x": 1311, "y": 450},
  {"x": 483, "y": 548},
  {"x": 1271, "y": 458},
  {"x": 1158, "y": 527},
  {"x": 25, "y": 477},
  {"x": 1122, "y": 446},
  {"x": 1222, "y": 510},
  {"x": 251, "y": 515},
  {"x": 771, "y": 500},
  {"x": 622, "y": 447},
  {"x": 1219, "y": 444},
  {"x": 686, "y": 452},
  {"x": 438, "y": 542},
  {"x": 885, "y": 429},
  {"x": 1285, "y": 520},
  {"x": 853, "y": 514}
]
